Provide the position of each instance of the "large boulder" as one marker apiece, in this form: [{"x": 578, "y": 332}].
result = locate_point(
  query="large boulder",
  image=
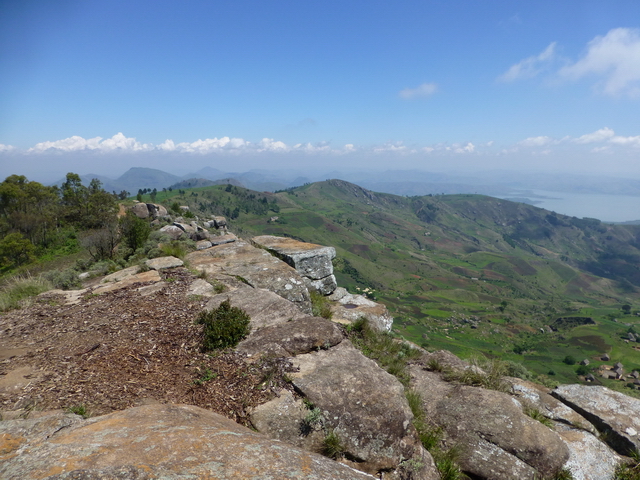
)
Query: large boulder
[
  {"x": 496, "y": 439},
  {"x": 293, "y": 337},
  {"x": 255, "y": 267},
  {"x": 351, "y": 307},
  {"x": 172, "y": 231},
  {"x": 140, "y": 210},
  {"x": 362, "y": 404},
  {"x": 610, "y": 411},
  {"x": 589, "y": 458},
  {"x": 310, "y": 260},
  {"x": 264, "y": 307},
  {"x": 154, "y": 441}
]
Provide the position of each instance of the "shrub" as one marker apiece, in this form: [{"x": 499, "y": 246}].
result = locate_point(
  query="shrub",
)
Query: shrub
[
  {"x": 65, "y": 279},
  {"x": 582, "y": 370},
  {"x": 569, "y": 360},
  {"x": 224, "y": 327}
]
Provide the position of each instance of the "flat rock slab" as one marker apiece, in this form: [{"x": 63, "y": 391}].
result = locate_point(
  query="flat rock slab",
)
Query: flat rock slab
[
  {"x": 608, "y": 410},
  {"x": 121, "y": 274},
  {"x": 223, "y": 239},
  {"x": 538, "y": 396},
  {"x": 589, "y": 458},
  {"x": 310, "y": 260},
  {"x": 364, "y": 405},
  {"x": 144, "y": 277},
  {"x": 254, "y": 266},
  {"x": 294, "y": 337},
  {"x": 264, "y": 307},
  {"x": 154, "y": 441},
  {"x": 351, "y": 307},
  {"x": 162, "y": 263}
]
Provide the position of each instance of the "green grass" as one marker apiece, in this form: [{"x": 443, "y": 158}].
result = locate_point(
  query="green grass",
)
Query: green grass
[{"x": 18, "y": 291}]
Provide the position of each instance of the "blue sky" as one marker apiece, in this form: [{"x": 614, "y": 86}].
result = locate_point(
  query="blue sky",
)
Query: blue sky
[{"x": 96, "y": 86}]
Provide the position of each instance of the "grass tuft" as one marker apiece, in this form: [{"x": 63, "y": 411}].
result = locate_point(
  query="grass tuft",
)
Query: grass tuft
[
  {"x": 320, "y": 306},
  {"x": 17, "y": 292}
]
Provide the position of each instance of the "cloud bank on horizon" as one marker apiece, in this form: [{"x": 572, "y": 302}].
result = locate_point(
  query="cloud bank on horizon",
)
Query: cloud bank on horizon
[{"x": 413, "y": 85}]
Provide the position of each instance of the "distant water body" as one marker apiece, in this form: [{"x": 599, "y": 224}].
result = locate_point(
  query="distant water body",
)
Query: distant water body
[{"x": 608, "y": 208}]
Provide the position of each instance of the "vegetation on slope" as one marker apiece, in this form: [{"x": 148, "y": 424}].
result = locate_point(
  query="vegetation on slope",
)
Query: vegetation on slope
[{"x": 469, "y": 273}]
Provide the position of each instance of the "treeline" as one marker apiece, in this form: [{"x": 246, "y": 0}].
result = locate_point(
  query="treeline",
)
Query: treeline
[
  {"x": 243, "y": 202},
  {"x": 35, "y": 218}
]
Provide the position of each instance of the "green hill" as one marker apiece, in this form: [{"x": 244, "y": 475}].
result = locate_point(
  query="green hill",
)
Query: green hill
[{"x": 462, "y": 272}]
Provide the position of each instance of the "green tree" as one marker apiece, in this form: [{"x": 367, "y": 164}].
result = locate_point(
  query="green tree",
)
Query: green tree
[
  {"x": 15, "y": 250},
  {"x": 29, "y": 208},
  {"x": 134, "y": 230}
]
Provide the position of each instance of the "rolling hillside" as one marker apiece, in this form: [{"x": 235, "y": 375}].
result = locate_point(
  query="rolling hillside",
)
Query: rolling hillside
[{"x": 462, "y": 272}]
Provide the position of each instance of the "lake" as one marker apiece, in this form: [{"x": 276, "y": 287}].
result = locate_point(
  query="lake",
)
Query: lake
[{"x": 608, "y": 208}]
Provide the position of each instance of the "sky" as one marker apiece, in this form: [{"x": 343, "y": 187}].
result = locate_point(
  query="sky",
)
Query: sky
[{"x": 95, "y": 86}]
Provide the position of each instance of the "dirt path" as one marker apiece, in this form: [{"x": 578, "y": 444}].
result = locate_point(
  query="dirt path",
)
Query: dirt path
[{"x": 118, "y": 350}]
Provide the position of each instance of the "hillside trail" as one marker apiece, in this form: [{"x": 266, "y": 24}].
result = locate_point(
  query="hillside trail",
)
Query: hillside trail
[{"x": 120, "y": 349}]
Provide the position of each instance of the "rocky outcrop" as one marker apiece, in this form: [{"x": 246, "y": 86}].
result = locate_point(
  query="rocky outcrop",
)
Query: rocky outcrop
[
  {"x": 255, "y": 267},
  {"x": 160, "y": 263},
  {"x": 154, "y": 441},
  {"x": 311, "y": 261},
  {"x": 294, "y": 337},
  {"x": 362, "y": 404},
  {"x": 539, "y": 397},
  {"x": 589, "y": 458},
  {"x": 172, "y": 231},
  {"x": 496, "y": 439},
  {"x": 350, "y": 308},
  {"x": 146, "y": 210},
  {"x": 264, "y": 307},
  {"x": 612, "y": 412}
]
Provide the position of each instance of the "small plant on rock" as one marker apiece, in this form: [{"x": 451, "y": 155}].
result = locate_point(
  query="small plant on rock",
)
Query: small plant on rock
[
  {"x": 320, "y": 305},
  {"x": 332, "y": 446},
  {"x": 628, "y": 470},
  {"x": 224, "y": 326}
]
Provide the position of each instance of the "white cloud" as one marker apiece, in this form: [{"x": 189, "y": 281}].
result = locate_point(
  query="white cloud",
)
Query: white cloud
[
  {"x": 468, "y": 148},
  {"x": 616, "y": 57},
  {"x": 598, "y": 136},
  {"x": 421, "y": 91},
  {"x": 536, "y": 141},
  {"x": 76, "y": 143},
  {"x": 631, "y": 141},
  {"x": 390, "y": 147},
  {"x": 531, "y": 66},
  {"x": 6, "y": 148}
]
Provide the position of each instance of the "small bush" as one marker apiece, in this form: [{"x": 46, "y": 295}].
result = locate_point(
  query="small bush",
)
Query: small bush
[
  {"x": 569, "y": 360},
  {"x": 224, "y": 327},
  {"x": 65, "y": 279},
  {"x": 320, "y": 305}
]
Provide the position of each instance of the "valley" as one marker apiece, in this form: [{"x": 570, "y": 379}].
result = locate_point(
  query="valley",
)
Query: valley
[{"x": 469, "y": 273}]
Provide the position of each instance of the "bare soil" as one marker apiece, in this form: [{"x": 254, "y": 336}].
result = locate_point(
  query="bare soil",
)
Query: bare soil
[{"x": 123, "y": 349}]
